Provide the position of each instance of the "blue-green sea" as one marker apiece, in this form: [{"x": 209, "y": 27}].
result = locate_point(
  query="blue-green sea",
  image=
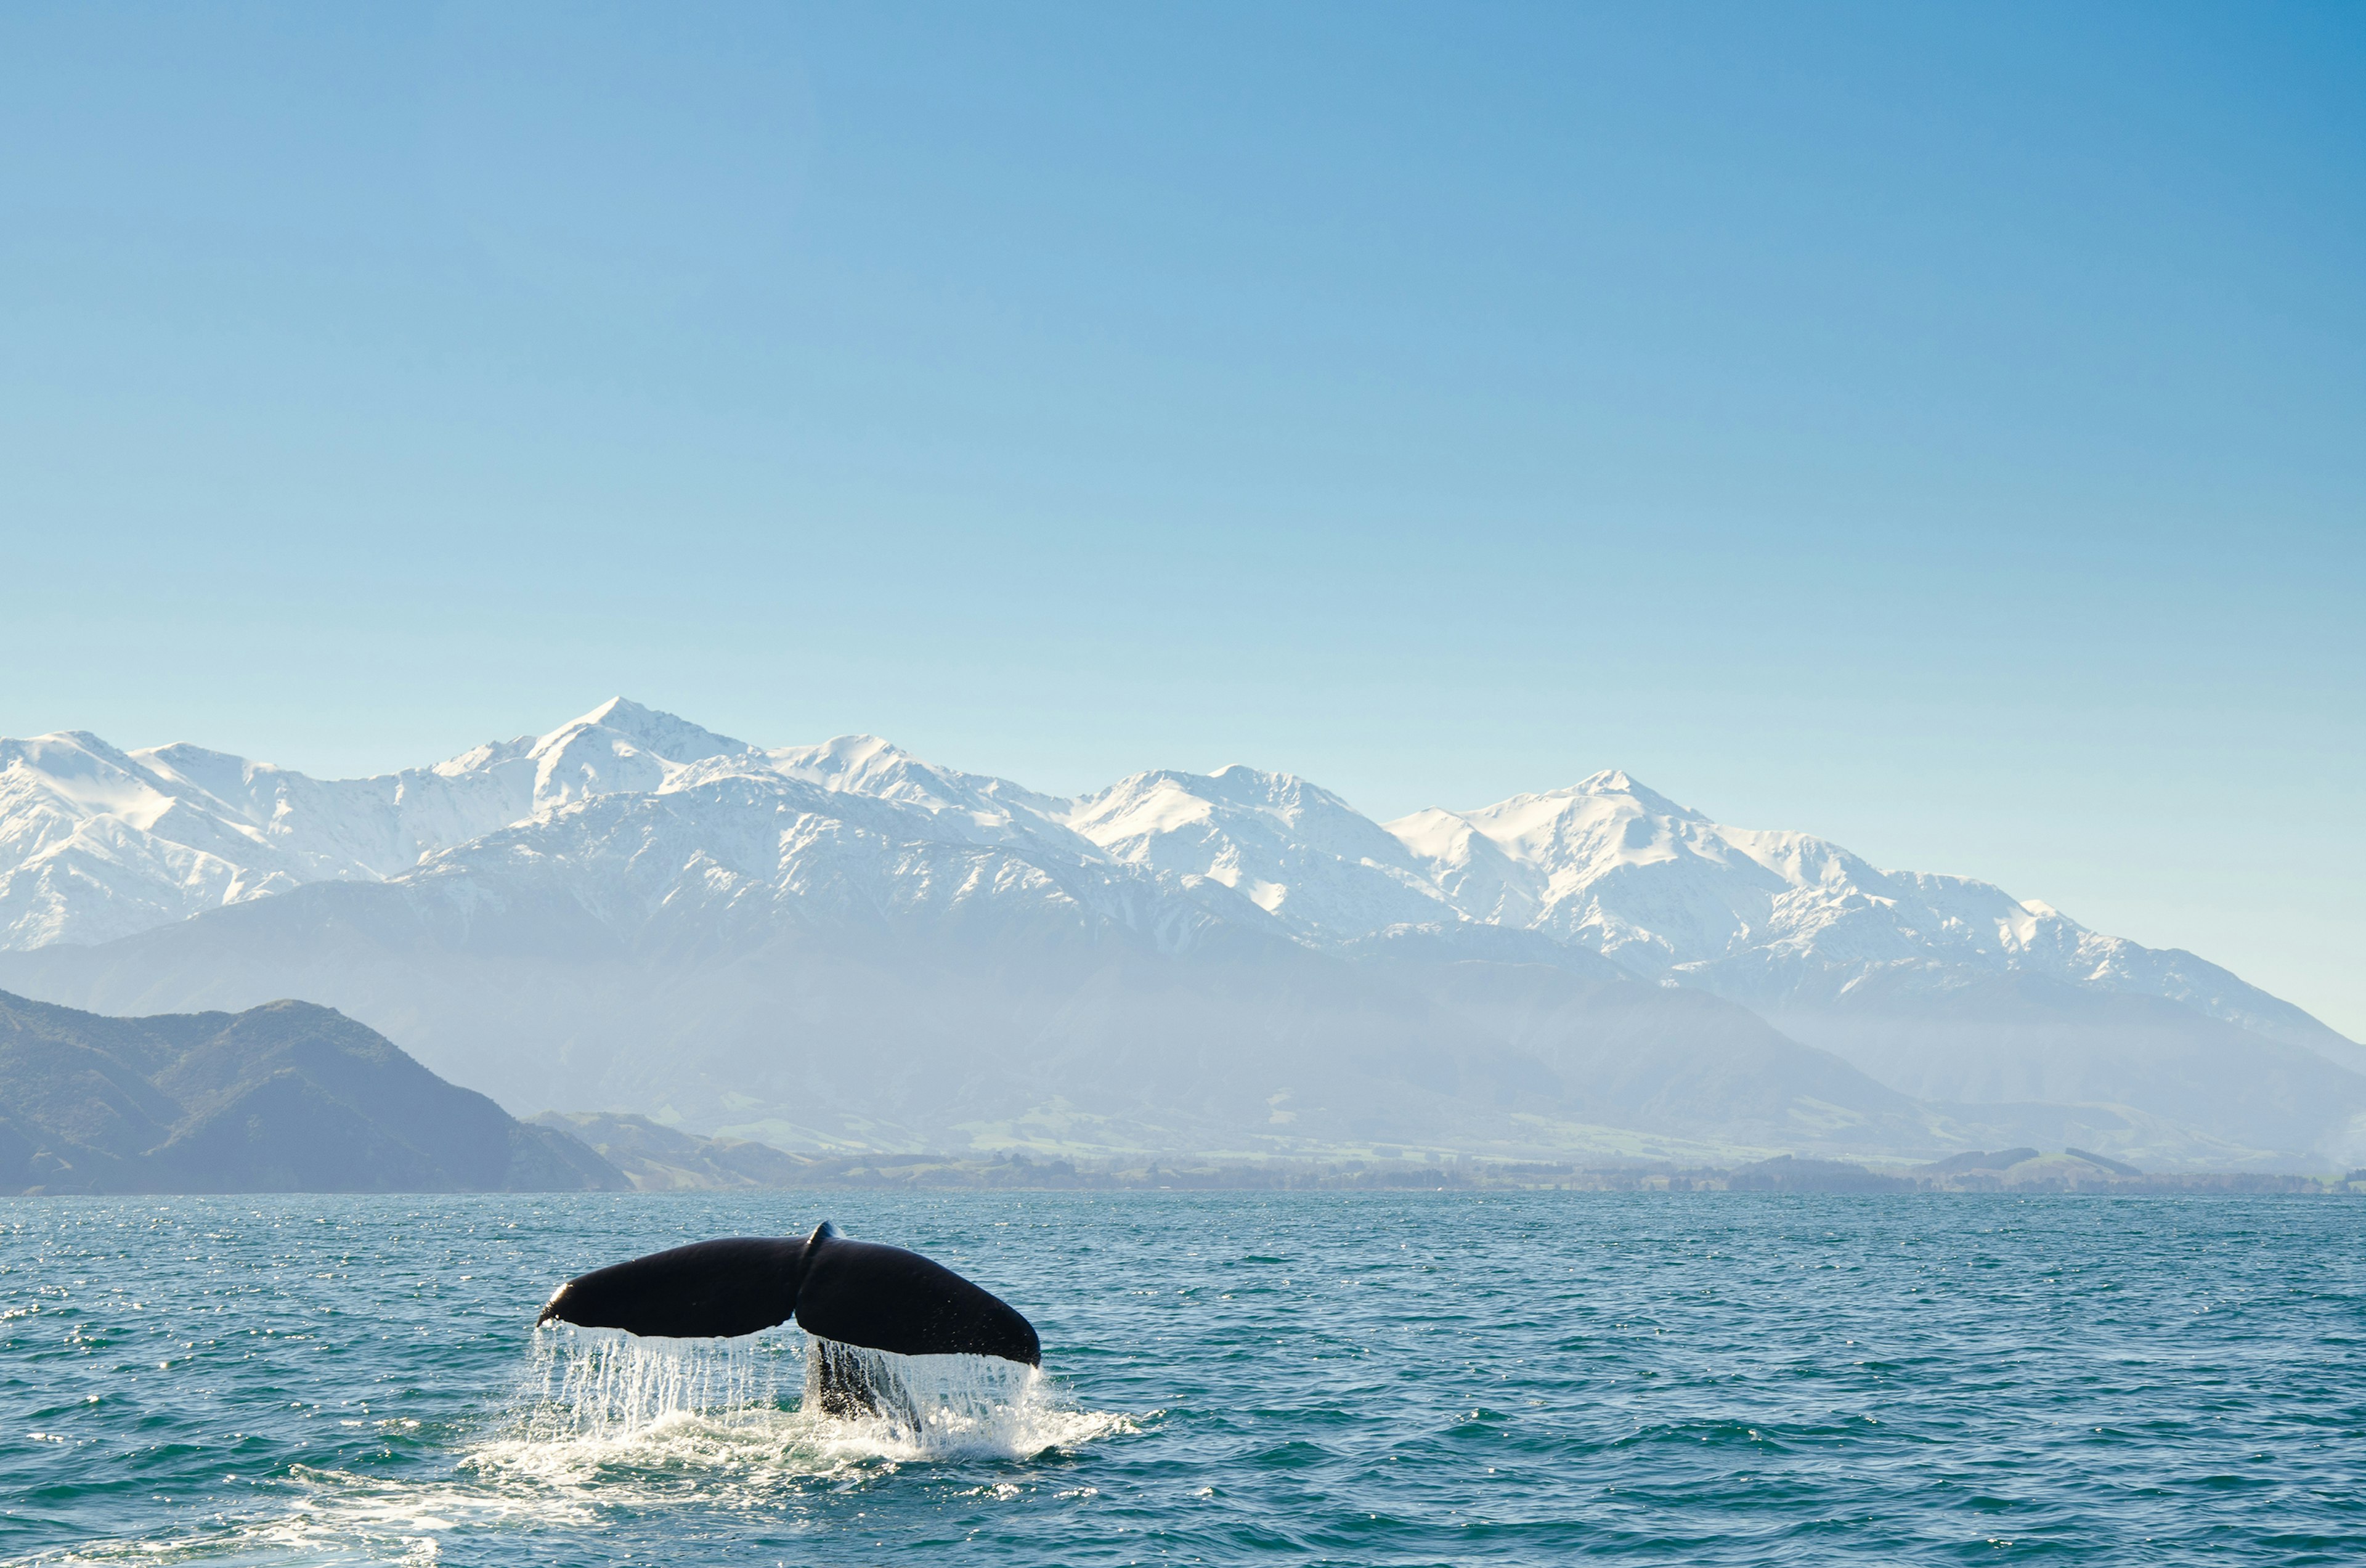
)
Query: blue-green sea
[{"x": 1531, "y": 1377}]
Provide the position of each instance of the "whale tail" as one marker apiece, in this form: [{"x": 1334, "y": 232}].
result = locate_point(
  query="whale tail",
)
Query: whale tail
[{"x": 855, "y": 1292}]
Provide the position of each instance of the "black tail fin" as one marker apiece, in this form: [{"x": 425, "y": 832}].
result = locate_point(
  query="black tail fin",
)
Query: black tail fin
[
  {"x": 884, "y": 1298},
  {"x": 709, "y": 1289}
]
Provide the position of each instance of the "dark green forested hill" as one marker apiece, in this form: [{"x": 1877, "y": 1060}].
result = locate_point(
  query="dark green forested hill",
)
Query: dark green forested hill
[{"x": 283, "y": 1097}]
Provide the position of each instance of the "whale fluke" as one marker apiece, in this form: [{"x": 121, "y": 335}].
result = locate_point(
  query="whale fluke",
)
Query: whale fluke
[
  {"x": 856, "y": 1293},
  {"x": 884, "y": 1298}
]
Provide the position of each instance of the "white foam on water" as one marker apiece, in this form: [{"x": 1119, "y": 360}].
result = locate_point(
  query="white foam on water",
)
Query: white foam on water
[
  {"x": 338, "y": 1518},
  {"x": 600, "y": 1421}
]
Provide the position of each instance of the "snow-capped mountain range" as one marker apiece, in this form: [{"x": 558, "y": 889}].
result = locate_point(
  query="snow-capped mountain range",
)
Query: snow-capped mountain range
[{"x": 634, "y": 833}]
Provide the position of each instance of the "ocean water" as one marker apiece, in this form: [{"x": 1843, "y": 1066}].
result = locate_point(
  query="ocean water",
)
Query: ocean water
[{"x": 1350, "y": 1378}]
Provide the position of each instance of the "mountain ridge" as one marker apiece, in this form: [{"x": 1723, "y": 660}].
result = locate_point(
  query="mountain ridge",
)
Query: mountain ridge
[
  {"x": 1575, "y": 862},
  {"x": 668, "y": 847}
]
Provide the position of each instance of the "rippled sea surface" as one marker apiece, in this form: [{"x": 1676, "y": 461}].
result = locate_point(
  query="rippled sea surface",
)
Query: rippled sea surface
[{"x": 1352, "y": 1379}]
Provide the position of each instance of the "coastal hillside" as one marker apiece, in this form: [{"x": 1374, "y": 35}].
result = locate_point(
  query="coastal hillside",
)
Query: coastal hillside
[
  {"x": 657, "y": 1158},
  {"x": 283, "y": 1097}
]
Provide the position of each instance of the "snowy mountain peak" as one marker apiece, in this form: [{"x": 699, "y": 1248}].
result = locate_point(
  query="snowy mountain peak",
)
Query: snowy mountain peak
[
  {"x": 98, "y": 843},
  {"x": 219, "y": 773},
  {"x": 621, "y": 747},
  {"x": 659, "y": 734},
  {"x": 75, "y": 772},
  {"x": 1142, "y": 805},
  {"x": 1168, "y": 794},
  {"x": 856, "y": 764},
  {"x": 491, "y": 754},
  {"x": 1287, "y": 795},
  {"x": 1292, "y": 847},
  {"x": 973, "y": 807},
  {"x": 1616, "y": 783}
]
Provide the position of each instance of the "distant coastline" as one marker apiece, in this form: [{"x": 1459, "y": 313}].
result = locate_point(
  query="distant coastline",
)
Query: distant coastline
[
  {"x": 2049, "y": 1175},
  {"x": 292, "y": 1097}
]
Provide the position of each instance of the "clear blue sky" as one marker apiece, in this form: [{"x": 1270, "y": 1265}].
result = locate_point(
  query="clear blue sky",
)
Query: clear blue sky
[{"x": 1943, "y": 428}]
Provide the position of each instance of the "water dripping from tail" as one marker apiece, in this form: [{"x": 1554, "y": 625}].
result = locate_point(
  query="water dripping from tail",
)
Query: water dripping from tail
[
  {"x": 936, "y": 1404},
  {"x": 785, "y": 1404},
  {"x": 603, "y": 1385}
]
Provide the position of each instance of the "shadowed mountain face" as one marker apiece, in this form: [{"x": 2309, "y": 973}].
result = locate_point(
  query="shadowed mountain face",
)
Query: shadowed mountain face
[
  {"x": 1978, "y": 1039},
  {"x": 285, "y": 1098},
  {"x": 844, "y": 947}
]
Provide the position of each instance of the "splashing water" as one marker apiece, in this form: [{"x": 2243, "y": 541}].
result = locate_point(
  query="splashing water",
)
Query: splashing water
[
  {"x": 598, "y": 1405},
  {"x": 600, "y": 1423},
  {"x": 937, "y": 1406}
]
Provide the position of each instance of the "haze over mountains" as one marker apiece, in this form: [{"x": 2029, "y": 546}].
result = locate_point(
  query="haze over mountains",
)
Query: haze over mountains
[{"x": 842, "y": 946}]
